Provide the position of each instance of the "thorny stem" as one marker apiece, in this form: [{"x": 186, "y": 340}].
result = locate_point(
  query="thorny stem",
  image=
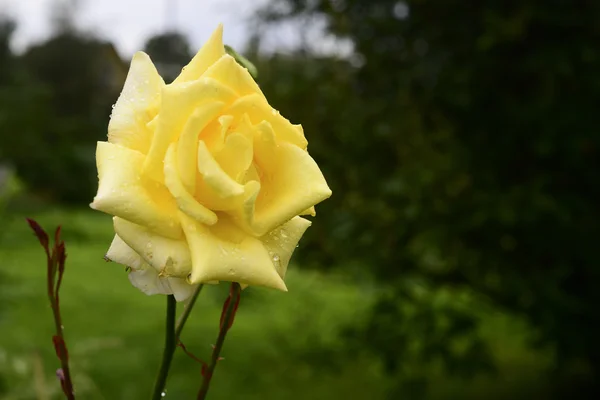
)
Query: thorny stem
[
  {"x": 55, "y": 263},
  {"x": 229, "y": 310},
  {"x": 61, "y": 350}
]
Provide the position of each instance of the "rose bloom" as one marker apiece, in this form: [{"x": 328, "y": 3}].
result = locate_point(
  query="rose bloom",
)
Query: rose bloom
[{"x": 205, "y": 180}]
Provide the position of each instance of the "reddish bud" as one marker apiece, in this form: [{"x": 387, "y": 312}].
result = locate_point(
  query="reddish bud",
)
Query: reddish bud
[{"x": 40, "y": 233}]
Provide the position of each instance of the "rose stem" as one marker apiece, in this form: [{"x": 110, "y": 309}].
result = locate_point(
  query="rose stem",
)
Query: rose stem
[
  {"x": 172, "y": 338},
  {"x": 169, "y": 349},
  {"x": 229, "y": 310},
  {"x": 186, "y": 312}
]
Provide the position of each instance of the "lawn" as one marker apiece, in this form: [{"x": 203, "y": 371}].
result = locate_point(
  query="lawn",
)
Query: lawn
[{"x": 115, "y": 333}]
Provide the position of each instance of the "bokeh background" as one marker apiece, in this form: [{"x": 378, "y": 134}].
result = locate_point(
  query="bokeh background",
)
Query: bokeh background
[{"x": 457, "y": 259}]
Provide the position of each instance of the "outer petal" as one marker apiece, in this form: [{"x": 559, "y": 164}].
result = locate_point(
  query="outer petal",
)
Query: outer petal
[
  {"x": 212, "y": 50},
  {"x": 225, "y": 253},
  {"x": 137, "y": 105},
  {"x": 121, "y": 253},
  {"x": 143, "y": 276},
  {"x": 291, "y": 182},
  {"x": 149, "y": 282},
  {"x": 259, "y": 110},
  {"x": 169, "y": 257},
  {"x": 311, "y": 211},
  {"x": 177, "y": 105},
  {"x": 123, "y": 193},
  {"x": 227, "y": 71},
  {"x": 282, "y": 241}
]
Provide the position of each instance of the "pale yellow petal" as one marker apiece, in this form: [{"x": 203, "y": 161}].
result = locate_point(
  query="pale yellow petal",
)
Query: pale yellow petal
[
  {"x": 180, "y": 288},
  {"x": 170, "y": 257},
  {"x": 212, "y": 50},
  {"x": 150, "y": 283},
  {"x": 187, "y": 146},
  {"x": 227, "y": 71},
  {"x": 282, "y": 241},
  {"x": 137, "y": 105},
  {"x": 121, "y": 253},
  {"x": 225, "y": 253},
  {"x": 291, "y": 182},
  {"x": 258, "y": 109},
  {"x": 177, "y": 104},
  {"x": 185, "y": 201},
  {"x": 122, "y": 192}
]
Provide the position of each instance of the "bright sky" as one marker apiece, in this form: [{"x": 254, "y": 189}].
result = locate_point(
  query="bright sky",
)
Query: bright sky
[{"x": 128, "y": 23}]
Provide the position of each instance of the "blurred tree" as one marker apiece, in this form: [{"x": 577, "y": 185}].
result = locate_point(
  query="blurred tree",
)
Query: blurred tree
[
  {"x": 63, "y": 15},
  {"x": 54, "y": 108},
  {"x": 7, "y": 28},
  {"x": 460, "y": 142},
  {"x": 170, "y": 52}
]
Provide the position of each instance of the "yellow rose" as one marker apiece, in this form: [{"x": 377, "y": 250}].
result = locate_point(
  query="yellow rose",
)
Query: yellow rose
[{"x": 205, "y": 180}]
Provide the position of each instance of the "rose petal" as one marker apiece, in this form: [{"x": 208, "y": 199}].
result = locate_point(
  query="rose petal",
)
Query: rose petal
[
  {"x": 121, "y": 253},
  {"x": 169, "y": 257},
  {"x": 227, "y": 71},
  {"x": 291, "y": 182},
  {"x": 212, "y": 173},
  {"x": 180, "y": 288},
  {"x": 143, "y": 276},
  {"x": 187, "y": 146},
  {"x": 123, "y": 193},
  {"x": 235, "y": 157},
  {"x": 259, "y": 110},
  {"x": 185, "y": 201},
  {"x": 212, "y": 50},
  {"x": 282, "y": 241},
  {"x": 148, "y": 281},
  {"x": 310, "y": 211},
  {"x": 137, "y": 105},
  {"x": 226, "y": 253},
  {"x": 177, "y": 104}
]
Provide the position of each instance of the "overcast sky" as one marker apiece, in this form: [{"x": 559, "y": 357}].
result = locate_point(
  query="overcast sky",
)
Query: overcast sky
[{"x": 128, "y": 23}]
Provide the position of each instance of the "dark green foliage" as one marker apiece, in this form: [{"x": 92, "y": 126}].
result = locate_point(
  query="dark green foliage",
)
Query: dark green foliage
[
  {"x": 53, "y": 109},
  {"x": 461, "y": 150}
]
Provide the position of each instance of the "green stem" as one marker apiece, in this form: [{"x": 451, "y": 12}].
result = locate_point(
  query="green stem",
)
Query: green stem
[
  {"x": 228, "y": 316},
  {"x": 186, "y": 312},
  {"x": 170, "y": 343}
]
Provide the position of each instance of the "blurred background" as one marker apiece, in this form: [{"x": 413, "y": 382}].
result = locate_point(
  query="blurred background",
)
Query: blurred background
[{"x": 457, "y": 259}]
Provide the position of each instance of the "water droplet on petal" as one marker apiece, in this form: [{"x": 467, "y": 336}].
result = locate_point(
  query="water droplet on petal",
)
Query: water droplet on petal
[
  {"x": 283, "y": 234},
  {"x": 276, "y": 258}
]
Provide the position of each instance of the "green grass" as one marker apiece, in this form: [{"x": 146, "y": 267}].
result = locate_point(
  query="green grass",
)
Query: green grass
[{"x": 115, "y": 333}]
